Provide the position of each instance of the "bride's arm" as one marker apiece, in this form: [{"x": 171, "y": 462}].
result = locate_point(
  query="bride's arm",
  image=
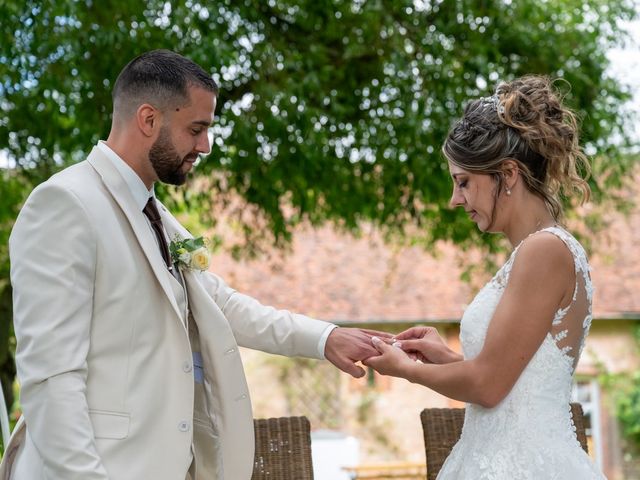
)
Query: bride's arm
[{"x": 541, "y": 281}]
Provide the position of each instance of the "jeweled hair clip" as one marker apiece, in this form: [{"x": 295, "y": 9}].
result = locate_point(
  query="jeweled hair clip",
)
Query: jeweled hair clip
[{"x": 494, "y": 102}]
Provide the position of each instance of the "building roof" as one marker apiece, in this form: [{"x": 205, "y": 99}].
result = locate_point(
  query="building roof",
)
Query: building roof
[
  {"x": 616, "y": 269},
  {"x": 336, "y": 277}
]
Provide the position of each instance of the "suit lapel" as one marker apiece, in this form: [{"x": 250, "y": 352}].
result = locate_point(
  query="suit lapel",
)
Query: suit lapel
[
  {"x": 171, "y": 225},
  {"x": 121, "y": 194}
]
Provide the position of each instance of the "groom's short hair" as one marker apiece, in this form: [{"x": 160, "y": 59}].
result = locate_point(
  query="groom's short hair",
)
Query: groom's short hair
[{"x": 160, "y": 78}]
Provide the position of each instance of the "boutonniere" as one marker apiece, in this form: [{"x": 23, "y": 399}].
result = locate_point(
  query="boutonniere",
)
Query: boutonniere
[{"x": 190, "y": 253}]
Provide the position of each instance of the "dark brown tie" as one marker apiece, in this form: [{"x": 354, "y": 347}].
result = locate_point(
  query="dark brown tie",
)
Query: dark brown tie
[{"x": 152, "y": 213}]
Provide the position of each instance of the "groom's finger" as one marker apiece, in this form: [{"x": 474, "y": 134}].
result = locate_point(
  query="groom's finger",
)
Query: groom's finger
[
  {"x": 375, "y": 333},
  {"x": 352, "y": 369},
  {"x": 348, "y": 365}
]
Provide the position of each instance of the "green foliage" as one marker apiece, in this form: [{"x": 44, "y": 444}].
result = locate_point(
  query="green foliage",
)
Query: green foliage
[
  {"x": 330, "y": 110},
  {"x": 12, "y": 190},
  {"x": 628, "y": 408},
  {"x": 624, "y": 389}
]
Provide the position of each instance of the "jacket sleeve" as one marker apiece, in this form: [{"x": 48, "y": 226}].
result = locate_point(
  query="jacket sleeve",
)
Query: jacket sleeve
[
  {"x": 266, "y": 328},
  {"x": 53, "y": 260}
]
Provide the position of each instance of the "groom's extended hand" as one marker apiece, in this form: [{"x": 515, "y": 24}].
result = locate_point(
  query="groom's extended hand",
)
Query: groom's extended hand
[{"x": 347, "y": 346}]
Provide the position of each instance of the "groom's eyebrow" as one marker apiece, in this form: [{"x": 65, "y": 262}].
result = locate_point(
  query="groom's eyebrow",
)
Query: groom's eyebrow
[{"x": 204, "y": 123}]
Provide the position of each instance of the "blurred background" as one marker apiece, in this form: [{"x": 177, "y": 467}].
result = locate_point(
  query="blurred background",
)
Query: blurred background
[{"x": 325, "y": 192}]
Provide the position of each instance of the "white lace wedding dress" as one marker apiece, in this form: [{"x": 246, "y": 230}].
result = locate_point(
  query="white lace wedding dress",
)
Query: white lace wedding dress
[{"x": 530, "y": 434}]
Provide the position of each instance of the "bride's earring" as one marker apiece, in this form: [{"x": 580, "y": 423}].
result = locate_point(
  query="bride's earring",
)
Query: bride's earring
[{"x": 508, "y": 191}]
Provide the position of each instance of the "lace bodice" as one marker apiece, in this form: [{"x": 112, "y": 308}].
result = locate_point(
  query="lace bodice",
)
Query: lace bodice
[
  {"x": 530, "y": 434},
  {"x": 570, "y": 325}
]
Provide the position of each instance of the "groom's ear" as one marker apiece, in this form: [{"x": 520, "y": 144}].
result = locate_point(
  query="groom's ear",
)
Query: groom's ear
[{"x": 148, "y": 119}]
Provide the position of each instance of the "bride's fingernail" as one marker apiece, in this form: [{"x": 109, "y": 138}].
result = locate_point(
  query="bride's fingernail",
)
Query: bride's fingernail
[{"x": 375, "y": 339}]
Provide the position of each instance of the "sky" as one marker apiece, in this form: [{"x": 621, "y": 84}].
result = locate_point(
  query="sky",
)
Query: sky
[{"x": 625, "y": 65}]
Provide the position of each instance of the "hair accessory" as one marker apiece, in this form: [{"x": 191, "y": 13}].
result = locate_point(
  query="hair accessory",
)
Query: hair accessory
[{"x": 494, "y": 102}]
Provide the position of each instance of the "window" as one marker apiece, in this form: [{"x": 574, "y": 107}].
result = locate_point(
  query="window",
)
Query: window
[{"x": 587, "y": 392}]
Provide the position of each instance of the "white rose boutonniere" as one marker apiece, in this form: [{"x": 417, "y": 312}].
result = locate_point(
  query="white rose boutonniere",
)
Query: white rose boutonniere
[{"x": 190, "y": 253}]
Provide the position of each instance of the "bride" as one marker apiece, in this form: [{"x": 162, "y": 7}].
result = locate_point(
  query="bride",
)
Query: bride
[{"x": 510, "y": 157}]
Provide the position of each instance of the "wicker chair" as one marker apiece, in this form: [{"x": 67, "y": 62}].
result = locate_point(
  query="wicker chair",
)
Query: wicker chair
[
  {"x": 442, "y": 428},
  {"x": 283, "y": 449}
]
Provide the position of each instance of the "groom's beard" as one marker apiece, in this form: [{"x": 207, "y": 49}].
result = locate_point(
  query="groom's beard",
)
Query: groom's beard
[{"x": 165, "y": 159}]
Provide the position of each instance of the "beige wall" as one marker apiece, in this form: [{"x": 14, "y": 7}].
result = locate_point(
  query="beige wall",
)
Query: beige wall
[
  {"x": 611, "y": 347},
  {"x": 392, "y": 431},
  {"x": 610, "y": 344}
]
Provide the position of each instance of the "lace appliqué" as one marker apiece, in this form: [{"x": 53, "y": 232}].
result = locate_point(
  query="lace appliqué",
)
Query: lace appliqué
[
  {"x": 582, "y": 271},
  {"x": 530, "y": 434}
]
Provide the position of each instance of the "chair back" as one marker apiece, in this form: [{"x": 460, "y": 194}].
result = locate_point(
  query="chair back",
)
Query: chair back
[
  {"x": 283, "y": 449},
  {"x": 577, "y": 416},
  {"x": 442, "y": 427}
]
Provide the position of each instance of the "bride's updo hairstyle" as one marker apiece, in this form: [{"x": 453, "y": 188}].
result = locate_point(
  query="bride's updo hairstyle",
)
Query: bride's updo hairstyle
[{"x": 523, "y": 121}]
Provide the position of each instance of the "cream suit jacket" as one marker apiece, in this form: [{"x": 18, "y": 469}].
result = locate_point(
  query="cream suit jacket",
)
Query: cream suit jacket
[{"x": 103, "y": 356}]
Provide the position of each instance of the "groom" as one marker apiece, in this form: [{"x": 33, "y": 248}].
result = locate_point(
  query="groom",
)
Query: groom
[{"x": 129, "y": 366}]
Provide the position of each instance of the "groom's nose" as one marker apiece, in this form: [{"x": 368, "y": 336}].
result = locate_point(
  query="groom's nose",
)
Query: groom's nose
[{"x": 203, "y": 145}]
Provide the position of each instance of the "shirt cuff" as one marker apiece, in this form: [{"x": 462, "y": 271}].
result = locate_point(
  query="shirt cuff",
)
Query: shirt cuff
[{"x": 323, "y": 339}]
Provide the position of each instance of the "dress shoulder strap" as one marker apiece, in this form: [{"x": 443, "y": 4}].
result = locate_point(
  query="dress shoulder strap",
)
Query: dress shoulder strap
[
  {"x": 571, "y": 323},
  {"x": 579, "y": 257}
]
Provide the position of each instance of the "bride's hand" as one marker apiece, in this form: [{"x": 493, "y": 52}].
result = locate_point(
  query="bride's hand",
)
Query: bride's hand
[
  {"x": 425, "y": 344},
  {"x": 391, "y": 361}
]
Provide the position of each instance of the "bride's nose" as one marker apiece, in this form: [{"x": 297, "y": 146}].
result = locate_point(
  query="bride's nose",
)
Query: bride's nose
[{"x": 457, "y": 199}]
